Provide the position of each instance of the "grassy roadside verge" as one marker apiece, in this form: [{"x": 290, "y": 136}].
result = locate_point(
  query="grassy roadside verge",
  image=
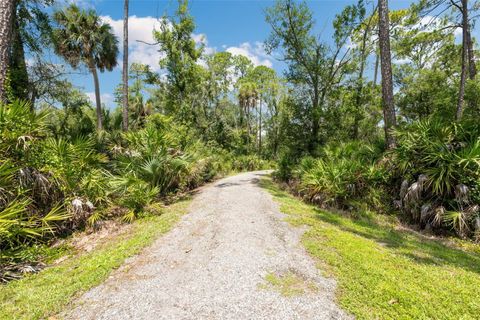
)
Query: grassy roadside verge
[
  {"x": 48, "y": 292},
  {"x": 385, "y": 273}
]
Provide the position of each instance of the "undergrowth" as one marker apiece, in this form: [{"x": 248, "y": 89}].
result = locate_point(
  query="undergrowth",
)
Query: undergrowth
[{"x": 48, "y": 292}]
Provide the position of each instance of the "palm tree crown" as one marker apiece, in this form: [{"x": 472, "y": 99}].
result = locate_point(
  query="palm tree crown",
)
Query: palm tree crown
[{"x": 82, "y": 37}]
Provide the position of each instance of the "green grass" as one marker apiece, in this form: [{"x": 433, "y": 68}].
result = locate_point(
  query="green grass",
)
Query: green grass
[
  {"x": 288, "y": 284},
  {"x": 384, "y": 273},
  {"x": 48, "y": 292}
]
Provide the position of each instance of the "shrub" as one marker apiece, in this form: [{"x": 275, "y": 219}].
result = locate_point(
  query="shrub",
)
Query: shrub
[
  {"x": 133, "y": 194},
  {"x": 30, "y": 206},
  {"x": 438, "y": 165},
  {"x": 250, "y": 163},
  {"x": 285, "y": 166},
  {"x": 346, "y": 175}
]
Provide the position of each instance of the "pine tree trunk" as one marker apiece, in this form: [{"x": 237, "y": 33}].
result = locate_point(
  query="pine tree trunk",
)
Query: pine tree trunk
[
  {"x": 472, "y": 68},
  {"x": 247, "y": 111},
  {"x": 386, "y": 70},
  {"x": 260, "y": 130},
  {"x": 242, "y": 107},
  {"x": 6, "y": 15},
  {"x": 358, "y": 103},
  {"x": 315, "y": 120},
  {"x": 463, "y": 74},
  {"x": 93, "y": 70},
  {"x": 471, "y": 55},
  {"x": 125, "y": 66}
]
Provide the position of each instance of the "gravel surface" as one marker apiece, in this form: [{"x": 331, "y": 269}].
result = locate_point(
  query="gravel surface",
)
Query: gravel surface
[{"x": 214, "y": 263}]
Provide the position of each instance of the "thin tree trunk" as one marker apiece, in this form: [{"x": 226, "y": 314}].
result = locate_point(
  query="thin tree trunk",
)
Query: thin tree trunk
[
  {"x": 386, "y": 68},
  {"x": 315, "y": 120},
  {"x": 247, "y": 110},
  {"x": 471, "y": 55},
  {"x": 260, "y": 129},
  {"x": 125, "y": 66},
  {"x": 472, "y": 68},
  {"x": 93, "y": 69},
  {"x": 358, "y": 104},
  {"x": 242, "y": 106},
  {"x": 463, "y": 74},
  {"x": 375, "y": 74},
  {"x": 6, "y": 18}
]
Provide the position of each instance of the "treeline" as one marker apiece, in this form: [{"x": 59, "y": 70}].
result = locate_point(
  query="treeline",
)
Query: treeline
[
  {"x": 384, "y": 117},
  {"x": 426, "y": 162}
]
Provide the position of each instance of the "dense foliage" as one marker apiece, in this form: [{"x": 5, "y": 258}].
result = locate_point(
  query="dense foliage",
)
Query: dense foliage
[
  {"x": 431, "y": 177},
  {"x": 66, "y": 165},
  {"x": 439, "y": 165},
  {"x": 428, "y": 170},
  {"x": 52, "y": 185}
]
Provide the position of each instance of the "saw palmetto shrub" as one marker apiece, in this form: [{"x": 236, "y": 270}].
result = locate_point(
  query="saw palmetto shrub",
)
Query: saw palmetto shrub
[
  {"x": 56, "y": 178},
  {"x": 346, "y": 175},
  {"x": 432, "y": 177},
  {"x": 30, "y": 198},
  {"x": 438, "y": 168},
  {"x": 31, "y": 206}
]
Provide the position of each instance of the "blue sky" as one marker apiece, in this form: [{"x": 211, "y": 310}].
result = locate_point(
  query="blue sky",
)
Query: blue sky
[{"x": 232, "y": 25}]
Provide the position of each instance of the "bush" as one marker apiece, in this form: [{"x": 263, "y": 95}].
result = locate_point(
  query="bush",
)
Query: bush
[
  {"x": 438, "y": 166},
  {"x": 433, "y": 175},
  {"x": 30, "y": 198},
  {"x": 285, "y": 166},
  {"x": 160, "y": 156},
  {"x": 250, "y": 163},
  {"x": 347, "y": 175}
]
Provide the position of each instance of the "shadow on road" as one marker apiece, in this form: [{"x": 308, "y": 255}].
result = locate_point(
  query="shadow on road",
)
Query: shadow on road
[{"x": 227, "y": 184}]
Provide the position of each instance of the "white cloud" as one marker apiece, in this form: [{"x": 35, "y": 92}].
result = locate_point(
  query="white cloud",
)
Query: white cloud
[
  {"x": 432, "y": 23},
  {"x": 401, "y": 61},
  {"x": 255, "y": 53},
  {"x": 200, "y": 38},
  {"x": 350, "y": 44},
  {"x": 106, "y": 98},
  {"x": 140, "y": 36}
]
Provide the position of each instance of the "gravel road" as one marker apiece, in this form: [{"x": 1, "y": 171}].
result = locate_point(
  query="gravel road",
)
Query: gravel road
[{"x": 214, "y": 265}]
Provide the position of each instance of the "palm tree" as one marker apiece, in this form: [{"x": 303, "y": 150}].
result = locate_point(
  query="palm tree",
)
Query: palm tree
[
  {"x": 125, "y": 66},
  {"x": 248, "y": 95},
  {"x": 82, "y": 38}
]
